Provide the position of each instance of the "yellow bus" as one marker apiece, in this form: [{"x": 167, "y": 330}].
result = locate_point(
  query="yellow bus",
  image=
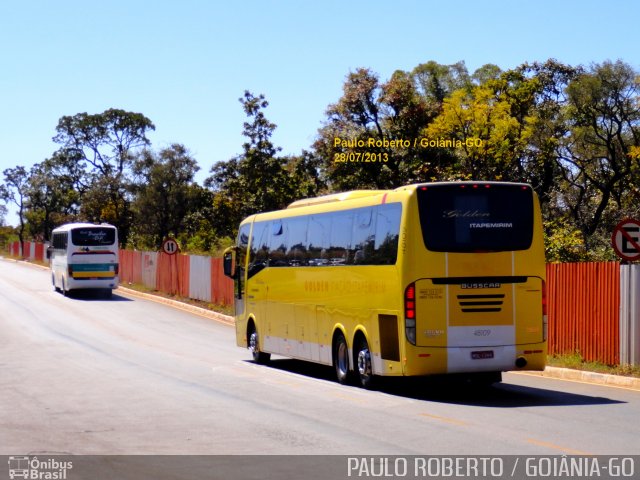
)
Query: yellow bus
[{"x": 434, "y": 278}]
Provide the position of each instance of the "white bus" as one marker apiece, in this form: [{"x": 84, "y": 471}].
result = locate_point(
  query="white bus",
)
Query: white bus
[{"x": 84, "y": 255}]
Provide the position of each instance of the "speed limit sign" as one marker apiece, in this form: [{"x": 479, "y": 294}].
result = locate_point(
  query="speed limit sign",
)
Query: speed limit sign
[{"x": 170, "y": 246}]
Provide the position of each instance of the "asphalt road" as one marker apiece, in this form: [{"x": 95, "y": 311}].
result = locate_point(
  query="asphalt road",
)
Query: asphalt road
[{"x": 87, "y": 375}]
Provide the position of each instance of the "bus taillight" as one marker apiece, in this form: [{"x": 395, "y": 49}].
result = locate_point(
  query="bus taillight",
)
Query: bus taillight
[
  {"x": 70, "y": 270},
  {"x": 410, "y": 313}
]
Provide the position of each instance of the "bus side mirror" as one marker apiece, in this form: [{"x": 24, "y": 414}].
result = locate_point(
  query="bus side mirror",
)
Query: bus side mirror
[
  {"x": 49, "y": 250},
  {"x": 229, "y": 263}
]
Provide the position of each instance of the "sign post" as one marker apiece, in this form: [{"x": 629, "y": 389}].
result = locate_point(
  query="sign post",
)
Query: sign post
[{"x": 626, "y": 239}]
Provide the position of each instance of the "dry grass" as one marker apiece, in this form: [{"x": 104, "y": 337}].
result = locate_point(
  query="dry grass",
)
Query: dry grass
[
  {"x": 577, "y": 362},
  {"x": 224, "y": 309}
]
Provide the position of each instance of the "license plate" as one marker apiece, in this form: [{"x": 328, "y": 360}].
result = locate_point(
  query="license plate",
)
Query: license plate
[{"x": 482, "y": 355}]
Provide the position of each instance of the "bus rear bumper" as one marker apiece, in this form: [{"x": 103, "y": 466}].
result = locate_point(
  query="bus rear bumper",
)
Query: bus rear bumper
[
  {"x": 80, "y": 283},
  {"x": 502, "y": 358}
]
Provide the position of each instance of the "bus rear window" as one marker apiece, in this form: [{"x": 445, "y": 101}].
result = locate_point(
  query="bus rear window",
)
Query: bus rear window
[
  {"x": 93, "y": 236},
  {"x": 476, "y": 217}
]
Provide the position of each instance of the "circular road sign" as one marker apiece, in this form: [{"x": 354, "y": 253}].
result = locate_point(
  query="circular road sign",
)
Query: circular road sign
[
  {"x": 170, "y": 246},
  {"x": 626, "y": 239}
]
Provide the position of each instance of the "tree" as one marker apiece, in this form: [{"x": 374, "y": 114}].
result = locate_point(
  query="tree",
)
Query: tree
[
  {"x": 389, "y": 120},
  {"x": 479, "y": 128},
  {"x": 356, "y": 117},
  {"x": 164, "y": 194},
  {"x": 255, "y": 181},
  {"x": 54, "y": 192},
  {"x": 597, "y": 160},
  {"x": 106, "y": 142},
  {"x": 14, "y": 191},
  {"x": 486, "y": 73},
  {"x": 436, "y": 81}
]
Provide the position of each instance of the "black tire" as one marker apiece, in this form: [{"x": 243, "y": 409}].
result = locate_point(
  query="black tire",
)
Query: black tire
[
  {"x": 65, "y": 292},
  {"x": 362, "y": 361},
  {"x": 341, "y": 359},
  {"x": 254, "y": 347},
  {"x": 53, "y": 282}
]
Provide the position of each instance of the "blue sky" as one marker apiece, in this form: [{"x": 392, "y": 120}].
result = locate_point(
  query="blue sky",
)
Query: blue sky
[{"x": 185, "y": 64}]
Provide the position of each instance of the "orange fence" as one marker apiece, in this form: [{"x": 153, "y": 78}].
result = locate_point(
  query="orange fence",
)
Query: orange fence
[
  {"x": 583, "y": 302},
  {"x": 30, "y": 250},
  {"x": 221, "y": 286},
  {"x": 130, "y": 266},
  {"x": 172, "y": 275}
]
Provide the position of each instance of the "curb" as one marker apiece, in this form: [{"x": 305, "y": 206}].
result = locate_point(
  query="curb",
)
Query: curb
[
  {"x": 605, "y": 379},
  {"x": 219, "y": 317}
]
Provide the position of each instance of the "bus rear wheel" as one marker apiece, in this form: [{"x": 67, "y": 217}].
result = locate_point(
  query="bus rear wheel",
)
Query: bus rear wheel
[
  {"x": 363, "y": 364},
  {"x": 341, "y": 359},
  {"x": 254, "y": 347}
]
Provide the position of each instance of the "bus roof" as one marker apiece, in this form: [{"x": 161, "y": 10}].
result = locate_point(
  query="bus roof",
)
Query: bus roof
[
  {"x": 70, "y": 226},
  {"x": 335, "y": 197},
  {"x": 353, "y": 194}
]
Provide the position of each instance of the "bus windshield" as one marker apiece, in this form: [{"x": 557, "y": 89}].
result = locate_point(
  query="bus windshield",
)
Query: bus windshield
[
  {"x": 476, "y": 218},
  {"x": 93, "y": 236}
]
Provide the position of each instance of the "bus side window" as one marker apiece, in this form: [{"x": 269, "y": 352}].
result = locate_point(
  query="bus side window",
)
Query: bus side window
[
  {"x": 318, "y": 238},
  {"x": 259, "y": 253},
  {"x": 60, "y": 241},
  {"x": 362, "y": 238},
  {"x": 387, "y": 234},
  {"x": 278, "y": 243},
  {"x": 297, "y": 241},
  {"x": 340, "y": 243}
]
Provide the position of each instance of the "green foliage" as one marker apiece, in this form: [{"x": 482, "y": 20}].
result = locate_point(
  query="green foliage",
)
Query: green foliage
[
  {"x": 53, "y": 193},
  {"x": 563, "y": 243},
  {"x": 106, "y": 142},
  {"x": 597, "y": 158},
  {"x": 7, "y": 234},
  {"x": 165, "y": 194},
  {"x": 14, "y": 190},
  {"x": 573, "y": 133},
  {"x": 257, "y": 180}
]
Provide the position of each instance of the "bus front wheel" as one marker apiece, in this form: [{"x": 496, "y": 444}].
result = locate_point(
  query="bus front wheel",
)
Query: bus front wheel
[{"x": 254, "y": 347}]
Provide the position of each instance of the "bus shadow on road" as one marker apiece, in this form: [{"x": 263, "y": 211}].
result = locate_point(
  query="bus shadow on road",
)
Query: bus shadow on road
[
  {"x": 453, "y": 389},
  {"x": 94, "y": 295}
]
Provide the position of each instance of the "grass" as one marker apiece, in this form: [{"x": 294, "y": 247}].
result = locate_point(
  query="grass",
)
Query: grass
[{"x": 576, "y": 361}]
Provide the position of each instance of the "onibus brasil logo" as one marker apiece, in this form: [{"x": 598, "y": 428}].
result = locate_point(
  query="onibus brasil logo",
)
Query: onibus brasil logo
[{"x": 32, "y": 468}]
